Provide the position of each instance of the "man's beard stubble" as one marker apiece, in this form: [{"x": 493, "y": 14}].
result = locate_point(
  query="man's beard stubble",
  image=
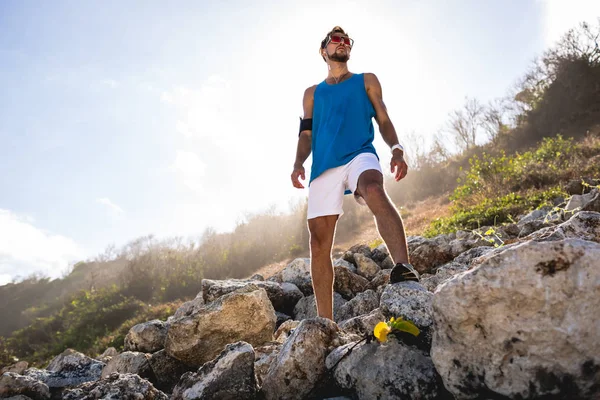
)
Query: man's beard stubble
[{"x": 339, "y": 57}]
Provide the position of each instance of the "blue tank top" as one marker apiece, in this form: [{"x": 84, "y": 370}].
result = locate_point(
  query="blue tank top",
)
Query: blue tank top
[{"x": 342, "y": 124}]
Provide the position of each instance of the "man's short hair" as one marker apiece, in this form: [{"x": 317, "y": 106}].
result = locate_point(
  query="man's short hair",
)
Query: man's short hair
[{"x": 336, "y": 29}]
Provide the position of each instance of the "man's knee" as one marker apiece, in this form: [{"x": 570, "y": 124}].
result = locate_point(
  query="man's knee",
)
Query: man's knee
[
  {"x": 321, "y": 235},
  {"x": 373, "y": 190}
]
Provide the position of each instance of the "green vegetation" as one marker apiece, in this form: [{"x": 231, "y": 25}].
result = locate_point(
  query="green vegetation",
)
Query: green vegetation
[{"x": 523, "y": 165}]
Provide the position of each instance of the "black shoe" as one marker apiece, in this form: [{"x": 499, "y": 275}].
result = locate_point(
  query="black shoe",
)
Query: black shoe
[{"x": 403, "y": 272}]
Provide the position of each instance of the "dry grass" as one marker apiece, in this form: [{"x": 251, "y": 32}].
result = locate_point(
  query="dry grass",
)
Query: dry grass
[{"x": 416, "y": 217}]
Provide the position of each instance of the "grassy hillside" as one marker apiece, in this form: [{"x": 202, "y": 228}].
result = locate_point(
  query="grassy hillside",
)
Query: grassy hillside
[{"x": 547, "y": 135}]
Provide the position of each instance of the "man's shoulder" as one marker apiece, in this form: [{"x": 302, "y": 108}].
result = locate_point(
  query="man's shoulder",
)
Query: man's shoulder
[
  {"x": 370, "y": 77},
  {"x": 310, "y": 91}
]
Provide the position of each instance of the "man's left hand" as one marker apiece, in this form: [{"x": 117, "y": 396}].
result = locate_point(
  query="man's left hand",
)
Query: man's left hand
[{"x": 398, "y": 165}]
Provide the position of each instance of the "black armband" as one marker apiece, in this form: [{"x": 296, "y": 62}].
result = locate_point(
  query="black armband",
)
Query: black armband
[{"x": 305, "y": 125}]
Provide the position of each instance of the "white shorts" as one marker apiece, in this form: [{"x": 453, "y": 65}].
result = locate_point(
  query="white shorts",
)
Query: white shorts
[{"x": 326, "y": 192}]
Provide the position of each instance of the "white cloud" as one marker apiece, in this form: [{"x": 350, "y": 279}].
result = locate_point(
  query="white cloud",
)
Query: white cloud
[
  {"x": 562, "y": 15},
  {"x": 4, "y": 279},
  {"x": 25, "y": 249},
  {"x": 112, "y": 206},
  {"x": 190, "y": 169}
]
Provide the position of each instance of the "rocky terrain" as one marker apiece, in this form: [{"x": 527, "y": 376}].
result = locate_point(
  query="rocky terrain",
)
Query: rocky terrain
[{"x": 509, "y": 314}]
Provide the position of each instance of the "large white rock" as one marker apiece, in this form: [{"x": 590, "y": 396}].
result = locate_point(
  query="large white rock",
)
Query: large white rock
[
  {"x": 129, "y": 362},
  {"x": 583, "y": 225},
  {"x": 298, "y": 273},
  {"x": 244, "y": 315},
  {"x": 522, "y": 324},
  {"x": 115, "y": 386},
  {"x": 13, "y": 384}
]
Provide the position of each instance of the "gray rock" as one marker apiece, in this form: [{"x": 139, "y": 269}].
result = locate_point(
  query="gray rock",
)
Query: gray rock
[
  {"x": 442, "y": 274},
  {"x": 385, "y": 371},
  {"x": 539, "y": 214},
  {"x": 18, "y": 367},
  {"x": 362, "y": 303},
  {"x": 291, "y": 295},
  {"x": 362, "y": 249},
  {"x": 340, "y": 262},
  {"x": 426, "y": 254},
  {"x": 147, "y": 337},
  {"x": 189, "y": 307},
  {"x": 298, "y": 273},
  {"x": 228, "y": 377},
  {"x": 387, "y": 263},
  {"x": 408, "y": 300},
  {"x": 283, "y": 332},
  {"x": 381, "y": 279},
  {"x": 583, "y": 225},
  {"x": 200, "y": 337},
  {"x": 307, "y": 307},
  {"x": 166, "y": 370},
  {"x": 264, "y": 357},
  {"x": 70, "y": 368},
  {"x": 532, "y": 226},
  {"x": 13, "y": 384},
  {"x": 362, "y": 324},
  {"x": 299, "y": 367},
  {"x": 347, "y": 283},
  {"x": 380, "y": 253},
  {"x": 115, "y": 386},
  {"x": 520, "y": 324},
  {"x": 366, "y": 267},
  {"x": 214, "y": 289},
  {"x": 281, "y": 318},
  {"x": 129, "y": 362},
  {"x": 585, "y": 202}
]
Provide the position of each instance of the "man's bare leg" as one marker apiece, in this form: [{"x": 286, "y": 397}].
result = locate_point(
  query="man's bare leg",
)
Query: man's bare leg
[
  {"x": 387, "y": 218},
  {"x": 322, "y": 231}
]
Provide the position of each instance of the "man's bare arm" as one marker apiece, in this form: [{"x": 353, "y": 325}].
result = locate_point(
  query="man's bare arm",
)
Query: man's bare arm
[
  {"x": 304, "y": 140},
  {"x": 375, "y": 93},
  {"x": 386, "y": 128}
]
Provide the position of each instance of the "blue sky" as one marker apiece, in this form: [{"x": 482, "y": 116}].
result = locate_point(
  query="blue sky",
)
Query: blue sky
[{"x": 122, "y": 119}]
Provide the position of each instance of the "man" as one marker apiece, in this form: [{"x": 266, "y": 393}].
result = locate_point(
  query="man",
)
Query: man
[{"x": 337, "y": 128}]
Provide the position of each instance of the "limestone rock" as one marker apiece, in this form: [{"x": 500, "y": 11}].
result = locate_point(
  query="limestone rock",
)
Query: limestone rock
[
  {"x": 244, "y": 315},
  {"x": 264, "y": 357},
  {"x": 129, "y": 362},
  {"x": 583, "y": 225},
  {"x": 147, "y": 337},
  {"x": 585, "y": 202},
  {"x": 189, "y": 307},
  {"x": 361, "y": 304},
  {"x": 520, "y": 324},
  {"x": 70, "y": 368},
  {"x": 300, "y": 364},
  {"x": 213, "y": 289},
  {"x": 13, "y": 384},
  {"x": 298, "y": 273},
  {"x": 307, "y": 307},
  {"x": 340, "y": 262},
  {"x": 166, "y": 370},
  {"x": 386, "y": 371},
  {"x": 381, "y": 279},
  {"x": 362, "y": 324},
  {"x": 284, "y": 331},
  {"x": 380, "y": 253},
  {"x": 347, "y": 283},
  {"x": 408, "y": 300},
  {"x": 228, "y": 377},
  {"x": 426, "y": 254},
  {"x": 115, "y": 386},
  {"x": 366, "y": 267},
  {"x": 442, "y": 274},
  {"x": 18, "y": 367}
]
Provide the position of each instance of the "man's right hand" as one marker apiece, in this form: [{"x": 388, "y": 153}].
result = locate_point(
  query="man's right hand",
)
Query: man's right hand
[{"x": 296, "y": 174}]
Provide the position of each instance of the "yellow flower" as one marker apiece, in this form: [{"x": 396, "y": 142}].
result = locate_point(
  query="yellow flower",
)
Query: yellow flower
[{"x": 381, "y": 331}]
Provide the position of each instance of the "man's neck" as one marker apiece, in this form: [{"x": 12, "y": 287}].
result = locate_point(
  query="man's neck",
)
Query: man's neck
[{"x": 337, "y": 69}]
